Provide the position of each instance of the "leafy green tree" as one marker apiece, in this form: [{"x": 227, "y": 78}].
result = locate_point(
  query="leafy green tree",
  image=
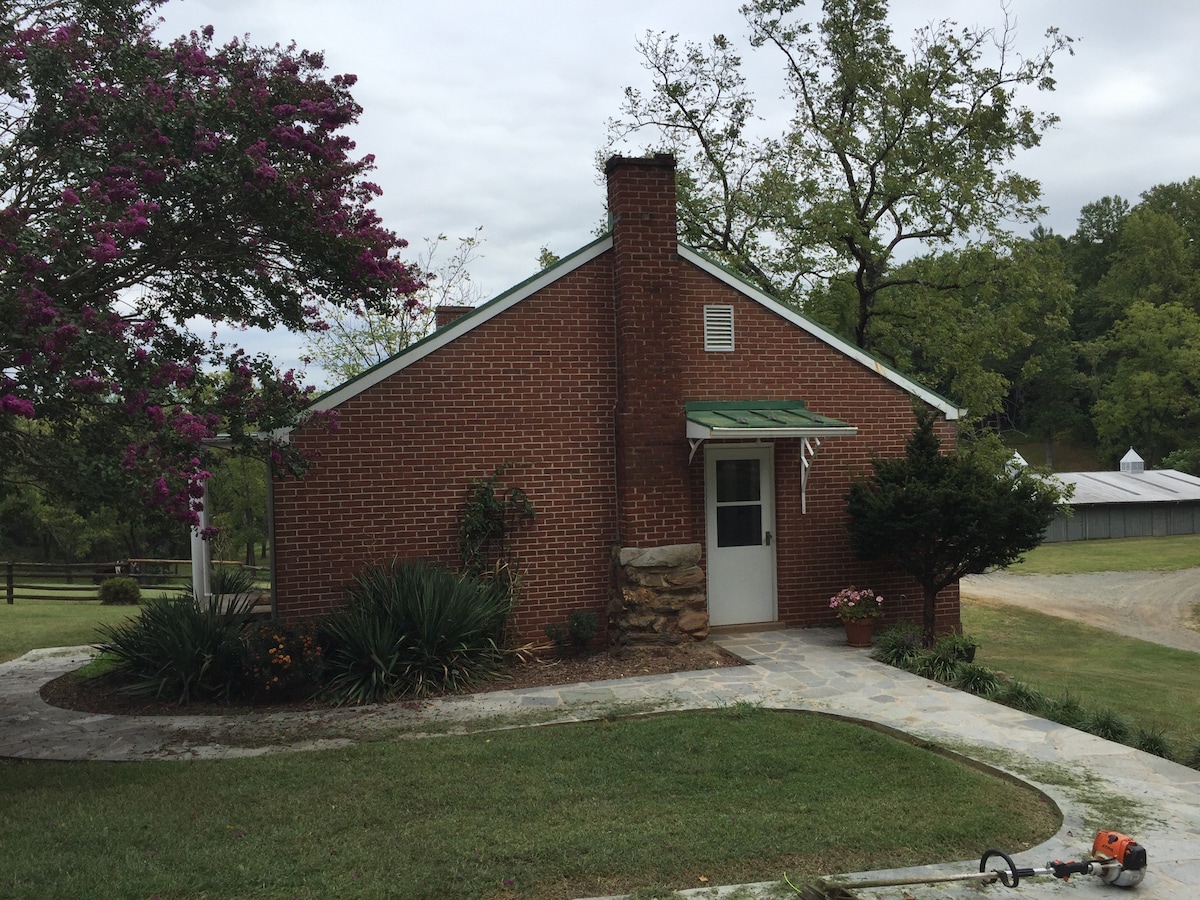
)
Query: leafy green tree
[
  {"x": 1154, "y": 262},
  {"x": 145, "y": 185},
  {"x": 39, "y": 526},
  {"x": 1181, "y": 201},
  {"x": 1091, "y": 247},
  {"x": 974, "y": 337},
  {"x": 237, "y": 494},
  {"x": 943, "y": 516},
  {"x": 1151, "y": 401},
  {"x": 1187, "y": 460},
  {"x": 885, "y": 150},
  {"x": 356, "y": 340}
]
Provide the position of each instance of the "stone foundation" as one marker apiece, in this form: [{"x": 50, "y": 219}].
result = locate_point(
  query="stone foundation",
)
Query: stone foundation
[{"x": 658, "y": 595}]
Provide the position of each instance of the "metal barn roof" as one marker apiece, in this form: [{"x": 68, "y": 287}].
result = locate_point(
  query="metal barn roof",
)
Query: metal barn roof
[{"x": 1154, "y": 486}]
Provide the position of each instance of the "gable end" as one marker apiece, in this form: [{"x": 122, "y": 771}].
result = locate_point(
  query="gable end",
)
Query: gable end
[
  {"x": 842, "y": 346},
  {"x": 336, "y": 396}
]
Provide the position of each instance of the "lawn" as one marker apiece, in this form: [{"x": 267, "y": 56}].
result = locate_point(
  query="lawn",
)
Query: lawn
[
  {"x": 733, "y": 795},
  {"x": 1181, "y": 551},
  {"x": 1153, "y": 686},
  {"x": 31, "y": 624}
]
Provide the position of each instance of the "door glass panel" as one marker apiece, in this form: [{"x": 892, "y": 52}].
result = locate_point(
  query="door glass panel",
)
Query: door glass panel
[
  {"x": 738, "y": 480},
  {"x": 739, "y": 526}
]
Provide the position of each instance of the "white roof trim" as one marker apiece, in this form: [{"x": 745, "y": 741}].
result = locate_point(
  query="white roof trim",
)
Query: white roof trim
[
  {"x": 865, "y": 359},
  {"x": 443, "y": 336}
]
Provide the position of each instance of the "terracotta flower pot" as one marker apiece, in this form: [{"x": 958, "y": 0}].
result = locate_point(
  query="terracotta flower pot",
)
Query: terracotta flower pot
[{"x": 859, "y": 631}]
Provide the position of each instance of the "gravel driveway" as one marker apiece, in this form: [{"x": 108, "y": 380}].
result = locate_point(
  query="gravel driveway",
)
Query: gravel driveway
[{"x": 1153, "y": 606}]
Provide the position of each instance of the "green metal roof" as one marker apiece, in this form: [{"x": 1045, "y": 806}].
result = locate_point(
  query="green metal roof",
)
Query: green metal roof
[{"x": 760, "y": 418}]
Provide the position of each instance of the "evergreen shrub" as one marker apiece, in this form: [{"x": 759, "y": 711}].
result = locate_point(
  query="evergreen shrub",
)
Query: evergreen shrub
[{"x": 120, "y": 591}]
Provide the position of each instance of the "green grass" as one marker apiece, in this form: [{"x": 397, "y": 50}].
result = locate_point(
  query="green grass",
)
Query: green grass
[
  {"x": 1154, "y": 686},
  {"x": 549, "y": 813},
  {"x": 1122, "y": 555},
  {"x": 32, "y": 624}
]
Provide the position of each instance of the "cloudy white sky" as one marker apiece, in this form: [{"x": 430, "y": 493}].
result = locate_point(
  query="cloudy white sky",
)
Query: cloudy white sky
[{"x": 490, "y": 112}]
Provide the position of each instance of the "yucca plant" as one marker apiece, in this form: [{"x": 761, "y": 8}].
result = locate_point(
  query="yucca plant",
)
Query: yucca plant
[
  {"x": 235, "y": 580},
  {"x": 181, "y": 649},
  {"x": 366, "y": 656},
  {"x": 411, "y": 627}
]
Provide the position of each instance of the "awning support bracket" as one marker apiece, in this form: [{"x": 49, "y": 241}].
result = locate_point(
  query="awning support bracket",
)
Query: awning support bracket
[{"x": 808, "y": 452}]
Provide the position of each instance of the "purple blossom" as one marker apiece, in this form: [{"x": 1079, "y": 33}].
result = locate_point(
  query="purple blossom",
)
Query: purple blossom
[
  {"x": 18, "y": 406},
  {"x": 105, "y": 250}
]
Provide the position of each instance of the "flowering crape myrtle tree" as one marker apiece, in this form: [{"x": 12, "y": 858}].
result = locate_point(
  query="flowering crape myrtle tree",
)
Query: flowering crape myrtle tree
[{"x": 143, "y": 185}]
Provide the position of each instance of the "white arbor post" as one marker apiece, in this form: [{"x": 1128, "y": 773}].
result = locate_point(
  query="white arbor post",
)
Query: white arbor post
[{"x": 201, "y": 555}]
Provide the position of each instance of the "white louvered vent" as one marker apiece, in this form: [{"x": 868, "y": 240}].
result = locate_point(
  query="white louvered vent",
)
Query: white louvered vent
[{"x": 718, "y": 329}]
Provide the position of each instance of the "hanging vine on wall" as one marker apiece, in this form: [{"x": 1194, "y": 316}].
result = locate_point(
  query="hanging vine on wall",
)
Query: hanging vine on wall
[{"x": 489, "y": 518}]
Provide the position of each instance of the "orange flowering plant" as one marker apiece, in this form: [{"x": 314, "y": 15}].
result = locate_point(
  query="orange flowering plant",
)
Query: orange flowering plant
[{"x": 281, "y": 660}]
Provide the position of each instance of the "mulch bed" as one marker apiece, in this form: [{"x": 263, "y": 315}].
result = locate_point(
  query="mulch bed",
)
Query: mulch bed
[{"x": 105, "y": 694}]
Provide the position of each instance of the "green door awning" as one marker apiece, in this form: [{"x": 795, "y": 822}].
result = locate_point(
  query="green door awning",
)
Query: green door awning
[
  {"x": 751, "y": 420},
  {"x": 760, "y": 419}
]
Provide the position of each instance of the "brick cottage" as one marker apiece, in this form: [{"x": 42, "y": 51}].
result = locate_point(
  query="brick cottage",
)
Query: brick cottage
[{"x": 687, "y": 443}]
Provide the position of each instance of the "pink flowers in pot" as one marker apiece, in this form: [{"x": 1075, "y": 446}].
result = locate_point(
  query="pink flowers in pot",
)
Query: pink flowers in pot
[{"x": 852, "y": 603}]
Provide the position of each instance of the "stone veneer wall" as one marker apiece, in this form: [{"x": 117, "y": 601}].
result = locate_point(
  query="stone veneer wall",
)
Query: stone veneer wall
[{"x": 658, "y": 595}]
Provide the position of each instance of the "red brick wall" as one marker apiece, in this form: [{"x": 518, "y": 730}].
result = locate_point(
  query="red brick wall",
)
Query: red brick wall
[{"x": 535, "y": 388}]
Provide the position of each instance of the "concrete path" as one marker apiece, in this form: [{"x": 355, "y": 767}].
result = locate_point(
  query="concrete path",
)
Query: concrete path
[{"x": 1090, "y": 779}]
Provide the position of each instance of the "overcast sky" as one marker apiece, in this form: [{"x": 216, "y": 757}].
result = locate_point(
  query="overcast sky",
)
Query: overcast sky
[{"x": 490, "y": 112}]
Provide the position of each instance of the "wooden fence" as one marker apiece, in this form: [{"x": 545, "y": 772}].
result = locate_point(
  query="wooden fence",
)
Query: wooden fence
[{"x": 81, "y": 581}]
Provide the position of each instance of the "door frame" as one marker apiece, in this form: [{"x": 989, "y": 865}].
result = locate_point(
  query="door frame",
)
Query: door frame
[{"x": 766, "y": 453}]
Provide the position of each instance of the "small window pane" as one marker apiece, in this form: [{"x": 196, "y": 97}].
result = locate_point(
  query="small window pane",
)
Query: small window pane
[
  {"x": 739, "y": 526},
  {"x": 738, "y": 480}
]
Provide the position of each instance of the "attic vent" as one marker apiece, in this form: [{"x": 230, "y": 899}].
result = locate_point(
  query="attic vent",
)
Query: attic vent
[{"x": 718, "y": 329}]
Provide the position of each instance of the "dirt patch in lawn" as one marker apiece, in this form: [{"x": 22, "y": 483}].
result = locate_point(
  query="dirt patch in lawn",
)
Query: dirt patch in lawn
[
  {"x": 106, "y": 694},
  {"x": 1153, "y": 606}
]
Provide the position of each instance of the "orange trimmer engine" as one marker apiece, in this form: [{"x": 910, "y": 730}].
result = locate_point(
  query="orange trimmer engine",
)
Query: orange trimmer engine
[{"x": 1122, "y": 859}]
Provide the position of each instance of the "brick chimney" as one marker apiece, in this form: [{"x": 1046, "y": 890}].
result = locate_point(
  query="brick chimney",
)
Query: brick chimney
[{"x": 652, "y": 450}]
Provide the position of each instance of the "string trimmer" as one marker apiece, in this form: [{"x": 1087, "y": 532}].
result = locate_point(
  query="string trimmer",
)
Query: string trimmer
[{"x": 1117, "y": 859}]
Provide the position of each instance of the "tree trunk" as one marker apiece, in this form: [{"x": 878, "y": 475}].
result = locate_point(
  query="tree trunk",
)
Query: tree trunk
[{"x": 929, "y": 624}]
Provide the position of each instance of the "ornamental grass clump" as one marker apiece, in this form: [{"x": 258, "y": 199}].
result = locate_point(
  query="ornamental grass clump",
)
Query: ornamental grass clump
[
  {"x": 899, "y": 645},
  {"x": 412, "y": 627}
]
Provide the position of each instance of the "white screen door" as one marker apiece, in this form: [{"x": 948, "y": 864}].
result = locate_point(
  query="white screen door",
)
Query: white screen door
[{"x": 739, "y": 491}]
